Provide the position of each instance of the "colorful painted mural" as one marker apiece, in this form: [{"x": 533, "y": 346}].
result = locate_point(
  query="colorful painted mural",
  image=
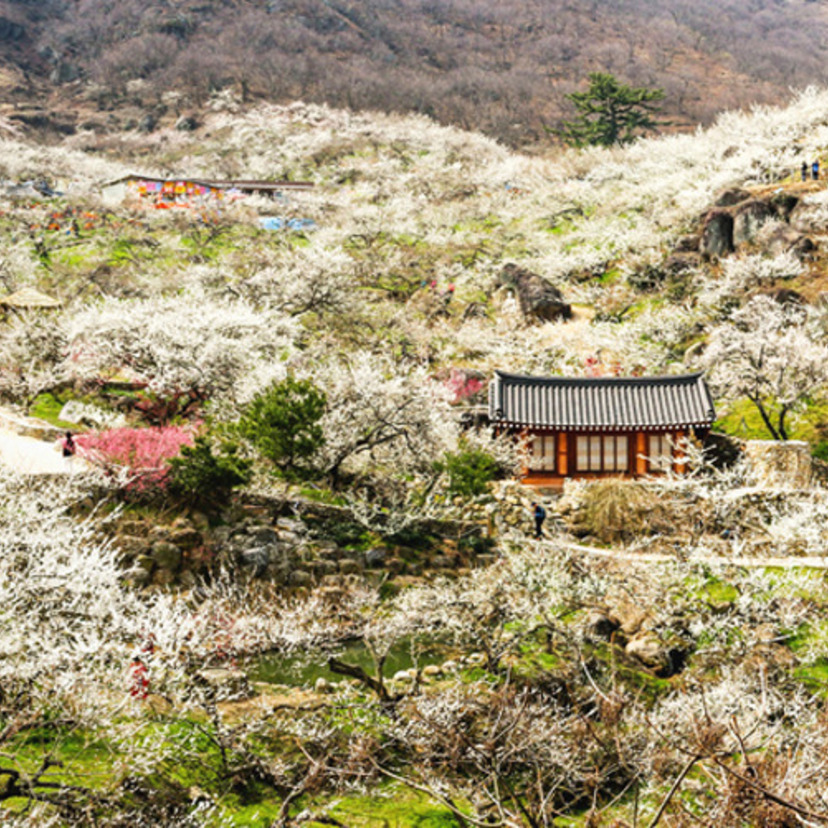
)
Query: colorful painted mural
[{"x": 163, "y": 194}]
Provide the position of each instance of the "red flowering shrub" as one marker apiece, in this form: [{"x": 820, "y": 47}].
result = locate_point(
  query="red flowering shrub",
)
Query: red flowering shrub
[
  {"x": 143, "y": 452},
  {"x": 463, "y": 385}
]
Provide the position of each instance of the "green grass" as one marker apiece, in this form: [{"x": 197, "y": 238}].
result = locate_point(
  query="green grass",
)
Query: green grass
[
  {"x": 77, "y": 256},
  {"x": 47, "y": 407},
  {"x": 85, "y": 760},
  {"x": 741, "y": 419}
]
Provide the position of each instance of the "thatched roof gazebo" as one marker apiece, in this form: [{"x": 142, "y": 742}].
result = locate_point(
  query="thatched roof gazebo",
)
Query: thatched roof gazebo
[{"x": 28, "y": 298}]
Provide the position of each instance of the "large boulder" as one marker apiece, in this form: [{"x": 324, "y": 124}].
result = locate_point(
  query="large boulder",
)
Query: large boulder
[
  {"x": 538, "y": 298},
  {"x": 717, "y": 235},
  {"x": 749, "y": 219},
  {"x": 664, "y": 659},
  {"x": 784, "y": 204},
  {"x": 735, "y": 195},
  {"x": 785, "y": 239},
  {"x": 225, "y": 684},
  {"x": 166, "y": 555},
  {"x": 776, "y": 464}
]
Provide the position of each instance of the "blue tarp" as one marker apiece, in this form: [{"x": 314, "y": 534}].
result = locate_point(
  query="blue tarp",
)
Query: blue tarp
[{"x": 278, "y": 223}]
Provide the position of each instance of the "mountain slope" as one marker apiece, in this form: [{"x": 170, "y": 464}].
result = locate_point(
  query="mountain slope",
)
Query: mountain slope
[{"x": 502, "y": 67}]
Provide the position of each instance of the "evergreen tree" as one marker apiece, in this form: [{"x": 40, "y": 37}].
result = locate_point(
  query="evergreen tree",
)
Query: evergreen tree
[
  {"x": 610, "y": 112},
  {"x": 283, "y": 423}
]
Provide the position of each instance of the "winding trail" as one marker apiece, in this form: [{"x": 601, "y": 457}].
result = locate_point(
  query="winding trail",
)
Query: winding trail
[
  {"x": 33, "y": 455},
  {"x": 30, "y": 456},
  {"x": 790, "y": 562}
]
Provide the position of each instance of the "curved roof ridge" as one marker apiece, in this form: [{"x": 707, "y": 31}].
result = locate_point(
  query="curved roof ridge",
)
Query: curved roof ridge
[
  {"x": 659, "y": 378},
  {"x": 594, "y": 403}
]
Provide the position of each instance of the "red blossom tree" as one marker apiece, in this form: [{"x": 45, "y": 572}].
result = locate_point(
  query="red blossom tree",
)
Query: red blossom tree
[{"x": 144, "y": 453}]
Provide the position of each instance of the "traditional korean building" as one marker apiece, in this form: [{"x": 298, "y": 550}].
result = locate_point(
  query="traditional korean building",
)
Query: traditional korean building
[{"x": 591, "y": 427}]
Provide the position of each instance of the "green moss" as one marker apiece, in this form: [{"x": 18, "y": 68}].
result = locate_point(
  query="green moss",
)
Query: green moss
[
  {"x": 480, "y": 224},
  {"x": 390, "y": 807},
  {"x": 323, "y": 496},
  {"x": 85, "y": 760},
  {"x": 719, "y": 592},
  {"x": 47, "y": 407},
  {"x": 814, "y": 676}
]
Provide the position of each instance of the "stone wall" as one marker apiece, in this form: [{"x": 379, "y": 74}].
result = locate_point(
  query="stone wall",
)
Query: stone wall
[
  {"x": 776, "y": 464},
  {"x": 291, "y": 544}
]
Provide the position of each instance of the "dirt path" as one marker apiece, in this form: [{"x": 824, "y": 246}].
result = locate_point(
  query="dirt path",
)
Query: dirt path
[
  {"x": 30, "y": 456},
  {"x": 714, "y": 560},
  {"x": 30, "y": 446}
]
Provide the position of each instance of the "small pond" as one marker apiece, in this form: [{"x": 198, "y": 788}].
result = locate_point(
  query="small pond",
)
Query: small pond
[{"x": 306, "y": 668}]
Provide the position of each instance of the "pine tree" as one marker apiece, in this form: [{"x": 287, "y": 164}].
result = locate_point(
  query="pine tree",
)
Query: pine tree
[
  {"x": 283, "y": 423},
  {"x": 610, "y": 112}
]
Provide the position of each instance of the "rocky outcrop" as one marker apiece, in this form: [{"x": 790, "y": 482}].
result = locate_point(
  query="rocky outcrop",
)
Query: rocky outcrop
[
  {"x": 738, "y": 218},
  {"x": 717, "y": 234},
  {"x": 749, "y": 219},
  {"x": 729, "y": 197},
  {"x": 808, "y": 218},
  {"x": 538, "y": 298},
  {"x": 785, "y": 239}
]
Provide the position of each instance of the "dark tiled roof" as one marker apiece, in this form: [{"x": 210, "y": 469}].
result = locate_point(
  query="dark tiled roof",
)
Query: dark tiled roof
[
  {"x": 623, "y": 403},
  {"x": 219, "y": 184}
]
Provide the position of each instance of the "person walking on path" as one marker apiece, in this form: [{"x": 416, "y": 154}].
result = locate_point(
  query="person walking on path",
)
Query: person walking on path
[
  {"x": 815, "y": 170},
  {"x": 804, "y": 170},
  {"x": 540, "y": 516},
  {"x": 69, "y": 449}
]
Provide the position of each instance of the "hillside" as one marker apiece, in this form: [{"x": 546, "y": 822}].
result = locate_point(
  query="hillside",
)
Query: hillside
[
  {"x": 290, "y": 583},
  {"x": 499, "y": 67}
]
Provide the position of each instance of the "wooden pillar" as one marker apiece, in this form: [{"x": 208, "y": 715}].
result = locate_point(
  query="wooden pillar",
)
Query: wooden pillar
[
  {"x": 523, "y": 439},
  {"x": 640, "y": 453},
  {"x": 563, "y": 453},
  {"x": 679, "y": 453}
]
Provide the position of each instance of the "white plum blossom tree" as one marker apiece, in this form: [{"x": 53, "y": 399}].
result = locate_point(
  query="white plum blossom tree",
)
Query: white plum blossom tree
[
  {"x": 382, "y": 416},
  {"x": 770, "y": 353},
  {"x": 191, "y": 343},
  {"x": 33, "y": 353}
]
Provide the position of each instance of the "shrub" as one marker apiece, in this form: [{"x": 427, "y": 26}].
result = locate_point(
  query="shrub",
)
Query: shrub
[
  {"x": 616, "y": 511},
  {"x": 283, "y": 423},
  {"x": 144, "y": 453},
  {"x": 470, "y": 471},
  {"x": 204, "y": 477}
]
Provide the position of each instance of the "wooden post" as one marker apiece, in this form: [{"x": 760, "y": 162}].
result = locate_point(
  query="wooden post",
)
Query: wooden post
[
  {"x": 640, "y": 453},
  {"x": 524, "y": 444},
  {"x": 563, "y": 453},
  {"x": 679, "y": 452}
]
